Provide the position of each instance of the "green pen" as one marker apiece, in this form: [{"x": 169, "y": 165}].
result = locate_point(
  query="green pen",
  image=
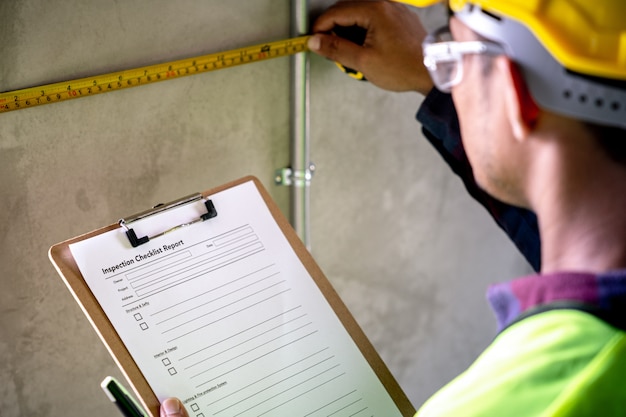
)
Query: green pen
[{"x": 122, "y": 399}]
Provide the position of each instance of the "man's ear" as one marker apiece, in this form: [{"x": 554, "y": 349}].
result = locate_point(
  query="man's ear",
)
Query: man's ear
[{"x": 522, "y": 110}]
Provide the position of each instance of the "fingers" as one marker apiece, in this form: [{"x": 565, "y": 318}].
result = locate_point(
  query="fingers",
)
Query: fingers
[
  {"x": 172, "y": 407},
  {"x": 391, "y": 54},
  {"x": 337, "y": 49},
  {"x": 344, "y": 13}
]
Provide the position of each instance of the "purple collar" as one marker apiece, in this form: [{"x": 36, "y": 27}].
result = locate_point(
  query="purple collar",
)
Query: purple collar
[{"x": 510, "y": 299}]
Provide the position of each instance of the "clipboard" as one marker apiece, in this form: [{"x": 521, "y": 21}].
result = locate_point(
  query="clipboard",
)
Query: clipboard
[{"x": 66, "y": 265}]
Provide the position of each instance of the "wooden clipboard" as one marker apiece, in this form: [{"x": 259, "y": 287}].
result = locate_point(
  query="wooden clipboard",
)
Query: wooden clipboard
[{"x": 61, "y": 257}]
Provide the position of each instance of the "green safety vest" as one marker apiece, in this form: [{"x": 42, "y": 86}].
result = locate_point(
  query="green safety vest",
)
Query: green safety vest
[{"x": 560, "y": 363}]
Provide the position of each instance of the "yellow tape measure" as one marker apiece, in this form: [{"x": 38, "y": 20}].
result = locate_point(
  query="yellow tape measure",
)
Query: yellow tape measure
[{"x": 83, "y": 87}]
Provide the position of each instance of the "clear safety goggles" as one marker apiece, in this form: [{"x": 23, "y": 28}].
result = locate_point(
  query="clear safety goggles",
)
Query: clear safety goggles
[{"x": 443, "y": 57}]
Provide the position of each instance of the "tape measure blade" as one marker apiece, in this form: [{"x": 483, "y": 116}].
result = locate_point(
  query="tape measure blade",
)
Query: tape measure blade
[{"x": 87, "y": 86}]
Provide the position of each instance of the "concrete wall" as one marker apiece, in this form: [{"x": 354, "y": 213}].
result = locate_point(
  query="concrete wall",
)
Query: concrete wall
[{"x": 392, "y": 228}]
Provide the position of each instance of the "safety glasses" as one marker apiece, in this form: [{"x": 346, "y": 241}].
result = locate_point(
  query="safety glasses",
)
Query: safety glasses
[{"x": 443, "y": 57}]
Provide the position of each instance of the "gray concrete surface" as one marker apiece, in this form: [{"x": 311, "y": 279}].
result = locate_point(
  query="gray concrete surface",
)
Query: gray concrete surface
[{"x": 392, "y": 228}]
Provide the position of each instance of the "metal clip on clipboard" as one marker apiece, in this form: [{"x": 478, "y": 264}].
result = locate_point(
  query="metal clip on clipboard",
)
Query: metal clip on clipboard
[{"x": 136, "y": 241}]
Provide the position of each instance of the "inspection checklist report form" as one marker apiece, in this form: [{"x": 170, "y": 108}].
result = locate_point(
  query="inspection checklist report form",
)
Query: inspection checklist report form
[{"x": 223, "y": 315}]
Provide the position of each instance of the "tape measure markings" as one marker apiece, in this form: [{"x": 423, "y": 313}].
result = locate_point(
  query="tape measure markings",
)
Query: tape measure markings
[{"x": 88, "y": 86}]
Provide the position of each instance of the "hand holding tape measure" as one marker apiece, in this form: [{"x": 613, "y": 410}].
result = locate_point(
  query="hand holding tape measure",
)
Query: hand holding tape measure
[{"x": 380, "y": 39}]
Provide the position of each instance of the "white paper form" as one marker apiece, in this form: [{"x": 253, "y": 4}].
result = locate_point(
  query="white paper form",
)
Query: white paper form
[{"x": 223, "y": 315}]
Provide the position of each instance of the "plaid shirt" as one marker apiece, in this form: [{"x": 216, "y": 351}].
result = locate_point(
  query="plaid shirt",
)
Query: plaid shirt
[{"x": 603, "y": 295}]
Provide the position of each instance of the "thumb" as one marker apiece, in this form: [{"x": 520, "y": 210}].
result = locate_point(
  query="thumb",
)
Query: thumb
[
  {"x": 337, "y": 49},
  {"x": 172, "y": 407}
]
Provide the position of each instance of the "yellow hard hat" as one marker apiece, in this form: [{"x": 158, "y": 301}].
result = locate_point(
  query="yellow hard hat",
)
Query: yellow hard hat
[
  {"x": 586, "y": 36},
  {"x": 572, "y": 53}
]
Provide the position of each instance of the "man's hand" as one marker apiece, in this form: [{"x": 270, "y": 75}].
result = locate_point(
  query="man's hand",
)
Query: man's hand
[
  {"x": 172, "y": 407},
  {"x": 390, "y": 57}
]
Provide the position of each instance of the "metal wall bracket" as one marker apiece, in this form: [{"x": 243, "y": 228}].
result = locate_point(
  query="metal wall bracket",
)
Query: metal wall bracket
[{"x": 288, "y": 177}]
